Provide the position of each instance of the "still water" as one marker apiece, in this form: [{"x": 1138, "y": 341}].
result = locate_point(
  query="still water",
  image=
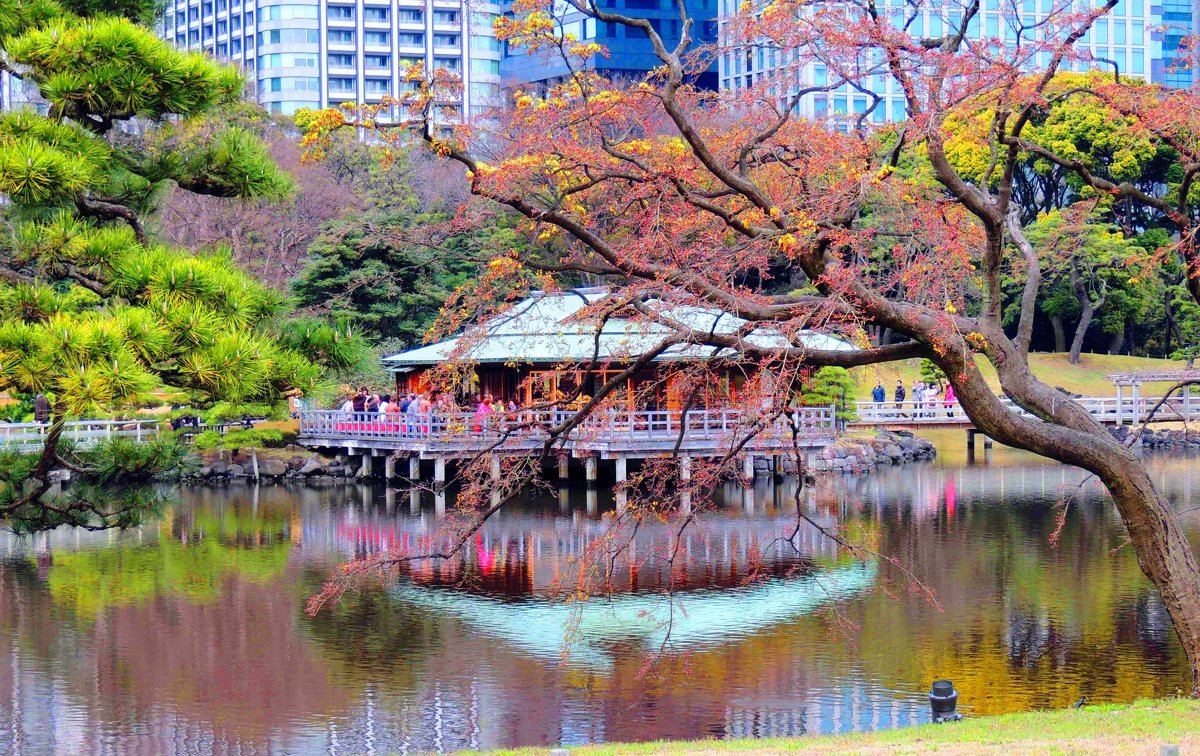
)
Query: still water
[{"x": 189, "y": 635}]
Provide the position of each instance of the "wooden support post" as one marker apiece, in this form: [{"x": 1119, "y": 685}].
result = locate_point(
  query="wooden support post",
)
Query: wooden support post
[
  {"x": 414, "y": 467},
  {"x": 439, "y": 504},
  {"x": 389, "y": 499},
  {"x": 622, "y": 495},
  {"x": 495, "y": 468},
  {"x": 1137, "y": 404},
  {"x": 592, "y": 500},
  {"x": 389, "y": 467},
  {"x": 439, "y": 473},
  {"x": 364, "y": 465},
  {"x": 970, "y": 446},
  {"x": 564, "y": 499},
  {"x": 414, "y": 501},
  {"x": 589, "y": 467},
  {"x": 685, "y": 479},
  {"x": 564, "y": 467},
  {"x": 1120, "y": 414},
  {"x": 748, "y": 466}
]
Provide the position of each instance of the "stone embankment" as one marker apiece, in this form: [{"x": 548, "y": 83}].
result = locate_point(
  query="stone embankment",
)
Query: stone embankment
[
  {"x": 852, "y": 455},
  {"x": 1163, "y": 439},
  {"x": 848, "y": 455},
  {"x": 273, "y": 468}
]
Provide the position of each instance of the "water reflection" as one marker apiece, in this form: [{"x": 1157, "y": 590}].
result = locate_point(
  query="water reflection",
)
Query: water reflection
[{"x": 189, "y": 635}]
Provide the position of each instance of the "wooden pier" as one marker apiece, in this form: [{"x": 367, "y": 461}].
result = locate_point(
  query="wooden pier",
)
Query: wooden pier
[{"x": 617, "y": 435}]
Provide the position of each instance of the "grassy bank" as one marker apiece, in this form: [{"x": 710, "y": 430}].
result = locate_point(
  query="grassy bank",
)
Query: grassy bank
[
  {"x": 1089, "y": 377},
  {"x": 1141, "y": 727}
]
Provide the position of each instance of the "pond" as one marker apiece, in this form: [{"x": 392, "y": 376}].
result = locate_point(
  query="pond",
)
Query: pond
[{"x": 189, "y": 635}]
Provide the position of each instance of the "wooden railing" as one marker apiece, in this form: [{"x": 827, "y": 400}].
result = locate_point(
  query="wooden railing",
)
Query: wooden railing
[
  {"x": 1109, "y": 410},
  {"x": 535, "y": 426},
  {"x": 82, "y": 433}
]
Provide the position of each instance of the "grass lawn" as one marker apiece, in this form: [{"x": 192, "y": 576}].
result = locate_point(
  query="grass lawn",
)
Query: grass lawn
[
  {"x": 1087, "y": 378},
  {"x": 1139, "y": 728}
]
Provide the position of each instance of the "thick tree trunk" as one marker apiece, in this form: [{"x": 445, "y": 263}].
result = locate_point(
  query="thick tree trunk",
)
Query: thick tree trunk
[
  {"x": 1087, "y": 310},
  {"x": 1163, "y": 551},
  {"x": 1060, "y": 333},
  {"x": 1069, "y": 434},
  {"x": 1085, "y": 320}
]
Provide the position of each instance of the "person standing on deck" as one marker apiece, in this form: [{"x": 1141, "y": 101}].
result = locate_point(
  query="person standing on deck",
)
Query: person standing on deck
[
  {"x": 878, "y": 394},
  {"x": 948, "y": 400},
  {"x": 899, "y": 397}
]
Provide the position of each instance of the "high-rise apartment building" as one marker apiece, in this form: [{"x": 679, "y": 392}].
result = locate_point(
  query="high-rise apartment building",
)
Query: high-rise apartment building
[
  {"x": 630, "y": 54},
  {"x": 320, "y": 53},
  {"x": 1132, "y": 36}
]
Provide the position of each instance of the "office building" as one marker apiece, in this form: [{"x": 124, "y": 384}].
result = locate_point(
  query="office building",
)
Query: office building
[
  {"x": 1130, "y": 36},
  {"x": 321, "y": 53},
  {"x": 630, "y": 54}
]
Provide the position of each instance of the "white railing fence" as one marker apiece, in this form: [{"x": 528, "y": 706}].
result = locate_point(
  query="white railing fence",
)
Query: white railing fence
[
  {"x": 1177, "y": 408},
  {"x": 531, "y": 425},
  {"x": 82, "y": 433}
]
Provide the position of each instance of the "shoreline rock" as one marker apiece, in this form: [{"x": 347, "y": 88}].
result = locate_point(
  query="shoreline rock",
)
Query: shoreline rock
[{"x": 851, "y": 455}]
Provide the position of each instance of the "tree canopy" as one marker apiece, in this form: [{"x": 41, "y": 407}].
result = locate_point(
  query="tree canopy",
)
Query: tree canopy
[
  {"x": 680, "y": 196},
  {"x": 97, "y": 314}
]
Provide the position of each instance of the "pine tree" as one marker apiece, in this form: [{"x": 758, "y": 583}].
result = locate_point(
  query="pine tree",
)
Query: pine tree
[{"x": 94, "y": 312}]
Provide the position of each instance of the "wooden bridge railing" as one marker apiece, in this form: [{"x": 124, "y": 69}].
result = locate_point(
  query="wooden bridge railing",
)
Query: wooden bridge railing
[
  {"x": 533, "y": 426},
  {"x": 82, "y": 433},
  {"x": 1107, "y": 410}
]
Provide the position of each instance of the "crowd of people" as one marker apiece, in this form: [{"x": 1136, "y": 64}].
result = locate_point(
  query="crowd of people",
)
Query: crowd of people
[
  {"x": 926, "y": 399},
  {"x": 364, "y": 405}
]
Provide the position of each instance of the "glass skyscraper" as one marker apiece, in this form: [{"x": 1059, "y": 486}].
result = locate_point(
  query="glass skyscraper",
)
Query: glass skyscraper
[
  {"x": 1141, "y": 39},
  {"x": 320, "y": 53}
]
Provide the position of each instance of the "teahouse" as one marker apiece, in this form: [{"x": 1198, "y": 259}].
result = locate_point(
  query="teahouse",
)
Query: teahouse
[{"x": 541, "y": 349}]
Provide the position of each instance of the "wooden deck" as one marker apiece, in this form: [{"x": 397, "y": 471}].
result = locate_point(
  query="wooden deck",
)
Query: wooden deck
[{"x": 608, "y": 435}]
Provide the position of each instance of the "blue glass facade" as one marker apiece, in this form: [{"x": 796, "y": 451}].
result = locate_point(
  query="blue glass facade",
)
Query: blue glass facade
[
  {"x": 630, "y": 54},
  {"x": 1174, "y": 21}
]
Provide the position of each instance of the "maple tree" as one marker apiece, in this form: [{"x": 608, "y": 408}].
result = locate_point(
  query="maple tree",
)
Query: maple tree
[{"x": 674, "y": 195}]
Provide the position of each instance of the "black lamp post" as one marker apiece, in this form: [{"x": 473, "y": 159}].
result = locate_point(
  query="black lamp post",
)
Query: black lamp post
[{"x": 943, "y": 699}]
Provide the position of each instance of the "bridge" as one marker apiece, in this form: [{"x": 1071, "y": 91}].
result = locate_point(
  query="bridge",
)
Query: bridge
[{"x": 1107, "y": 410}]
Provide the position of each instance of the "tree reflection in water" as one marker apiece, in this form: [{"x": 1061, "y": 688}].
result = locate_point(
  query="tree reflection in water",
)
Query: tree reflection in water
[{"x": 192, "y": 631}]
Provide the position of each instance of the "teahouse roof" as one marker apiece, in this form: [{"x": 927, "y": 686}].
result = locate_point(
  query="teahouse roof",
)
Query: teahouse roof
[{"x": 540, "y": 330}]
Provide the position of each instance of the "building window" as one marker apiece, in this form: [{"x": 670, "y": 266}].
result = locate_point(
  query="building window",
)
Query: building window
[
  {"x": 445, "y": 17},
  {"x": 375, "y": 14},
  {"x": 486, "y": 44},
  {"x": 450, "y": 64},
  {"x": 445, "y": 40},
  {"x": 283, "y": 13},
  {"x": 289, "y": 36},
  {"x": 341, "y": 84},
  {"x": 485, "y": 67},
  {"x": 377, "y": 61},
  {"x": 410, "y": 16},
  {"x": 409, "y": 39},
  {"x": 287, "y": 60},
  {"x": 376, "y": 86},
  {"x": 340, "y": 13},
  {"x": 341, "y": 59},
  {"x": 341, "y": 36},
  {"x": 377, "y": 38}
]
